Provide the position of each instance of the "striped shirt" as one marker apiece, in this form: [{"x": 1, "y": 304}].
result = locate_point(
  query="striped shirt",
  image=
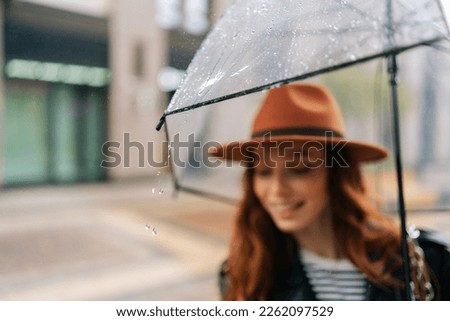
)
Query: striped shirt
[{"x": 333, "y": 279}]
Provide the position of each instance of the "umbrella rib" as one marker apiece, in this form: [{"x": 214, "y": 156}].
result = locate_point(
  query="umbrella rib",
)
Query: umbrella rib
[
  {"x": 404, "y": 18},
  {"x": 296, "y": 78},
  {"x": 443, "y": 49},
  {"x": 214, "y": 68},
  {"x": 208, "y": 194},
  {"x": 418, "y": 23},
  {"x": 412, "y": 12},
  {"x": 224, "y": 62},
  {"x": 416, "y": 11},
  {"x": 421, "y": 210},
  {"x": 171, "y": 168}
]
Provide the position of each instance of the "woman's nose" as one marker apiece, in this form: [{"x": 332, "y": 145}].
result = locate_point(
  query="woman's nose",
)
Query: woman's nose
[{"x": 279, "y": 185}]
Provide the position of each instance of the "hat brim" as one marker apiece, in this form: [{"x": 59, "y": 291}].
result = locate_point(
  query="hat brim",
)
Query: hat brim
[{"x": 240, "y": 150}]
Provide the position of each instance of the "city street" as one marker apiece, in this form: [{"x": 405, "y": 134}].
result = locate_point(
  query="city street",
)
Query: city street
[
  {"x": 85, "y": 83},
  {"x": 117, "y": 241},
  {"x": 111, "y": 241}
]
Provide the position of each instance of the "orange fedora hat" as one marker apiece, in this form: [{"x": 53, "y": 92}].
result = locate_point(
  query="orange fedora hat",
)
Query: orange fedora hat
[{"x": 299, "y": 113}]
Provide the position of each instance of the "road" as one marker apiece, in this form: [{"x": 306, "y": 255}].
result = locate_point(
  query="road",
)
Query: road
[{"x": 123, "y": 240}]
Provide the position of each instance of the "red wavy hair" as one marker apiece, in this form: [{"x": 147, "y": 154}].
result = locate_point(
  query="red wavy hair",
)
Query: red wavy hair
[{"x": 260, "y": 253}]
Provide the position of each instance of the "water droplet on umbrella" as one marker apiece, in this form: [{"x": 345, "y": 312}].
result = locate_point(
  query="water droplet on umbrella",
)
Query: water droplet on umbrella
[
  {"x": 352, "y": 57},
  {"x": 153, "y": 190},
  {"x": 161, "y": 191},
  {"x": 158, "y": 173},
  {"x": 154, "y": 231}
]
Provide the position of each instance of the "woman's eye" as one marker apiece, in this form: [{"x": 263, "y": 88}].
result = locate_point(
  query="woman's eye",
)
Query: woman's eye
[{"x": 302, "y": 170}]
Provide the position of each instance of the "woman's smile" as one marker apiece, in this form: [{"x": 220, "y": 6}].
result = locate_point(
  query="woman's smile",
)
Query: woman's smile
[
  {"x": 296, "y": 197},
  {"x": 285, "y": 209}
]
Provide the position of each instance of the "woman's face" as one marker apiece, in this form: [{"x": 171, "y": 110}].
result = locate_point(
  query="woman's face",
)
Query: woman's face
[{"x": 292, "y": 188}]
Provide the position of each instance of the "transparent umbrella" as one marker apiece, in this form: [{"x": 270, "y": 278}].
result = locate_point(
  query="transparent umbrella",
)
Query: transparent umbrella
[{"x": 260, "y": 44}]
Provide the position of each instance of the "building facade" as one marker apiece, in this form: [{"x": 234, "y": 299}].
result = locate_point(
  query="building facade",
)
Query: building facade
[{"x": 82, "y": 92}]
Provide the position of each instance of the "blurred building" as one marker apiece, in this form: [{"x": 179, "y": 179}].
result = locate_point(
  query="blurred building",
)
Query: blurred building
[
  {"x": 79, "y": 75},
  {"x": 55, "y": 93},
  {"x": 86, "y": 82}
]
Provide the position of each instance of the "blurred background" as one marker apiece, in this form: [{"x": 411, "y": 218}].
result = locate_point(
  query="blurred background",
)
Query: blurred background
[{"x": 79, "y": 74}]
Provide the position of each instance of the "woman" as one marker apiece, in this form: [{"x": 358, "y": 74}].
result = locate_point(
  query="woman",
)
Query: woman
[{"x": 306, "y": 228}]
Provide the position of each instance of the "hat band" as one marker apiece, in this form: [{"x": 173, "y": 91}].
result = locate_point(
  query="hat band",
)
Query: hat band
[{"x": 298, "y": 131}]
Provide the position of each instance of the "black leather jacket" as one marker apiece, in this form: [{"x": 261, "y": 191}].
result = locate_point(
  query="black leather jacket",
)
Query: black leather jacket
[{"x": 297, "y": 287}]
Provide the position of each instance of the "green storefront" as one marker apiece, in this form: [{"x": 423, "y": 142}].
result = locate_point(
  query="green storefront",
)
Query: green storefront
[
  {"x": 52, "y": 132},
  {"x": 55, "y": 104}
]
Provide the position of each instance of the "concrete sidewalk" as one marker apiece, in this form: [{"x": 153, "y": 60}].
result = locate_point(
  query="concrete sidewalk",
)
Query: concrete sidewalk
[
  {"x": 111, "y": 241},
  {"x": 118, "y": 241}
]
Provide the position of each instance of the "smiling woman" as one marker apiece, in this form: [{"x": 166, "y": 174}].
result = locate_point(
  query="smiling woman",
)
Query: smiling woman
[
  {"x": 306, "y": 228},
  {"x": 294, "y": 195}
]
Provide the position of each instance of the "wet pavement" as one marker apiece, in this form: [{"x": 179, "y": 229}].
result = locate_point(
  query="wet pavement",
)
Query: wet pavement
[
  {"x": 111, "y": 241},
  {"x": 125, "y": 240}
]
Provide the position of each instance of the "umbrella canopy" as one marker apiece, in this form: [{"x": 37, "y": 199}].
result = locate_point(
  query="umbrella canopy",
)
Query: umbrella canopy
[
  {"x": 258, "y": 44},
  {"x": 263, "y": 43},
  {"x": 363, "y": 93}
]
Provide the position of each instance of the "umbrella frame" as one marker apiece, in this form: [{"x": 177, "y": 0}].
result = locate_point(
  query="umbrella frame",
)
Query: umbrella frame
[{"x": 391, "y": 57}]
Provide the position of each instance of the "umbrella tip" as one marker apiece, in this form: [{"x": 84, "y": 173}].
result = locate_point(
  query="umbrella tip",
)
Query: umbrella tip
[{"x": 161, "y": 122}]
